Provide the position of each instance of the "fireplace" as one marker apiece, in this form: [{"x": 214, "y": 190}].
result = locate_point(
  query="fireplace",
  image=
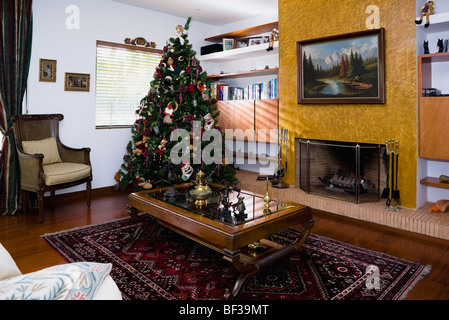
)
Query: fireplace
[{"x": 348, "y": 171}]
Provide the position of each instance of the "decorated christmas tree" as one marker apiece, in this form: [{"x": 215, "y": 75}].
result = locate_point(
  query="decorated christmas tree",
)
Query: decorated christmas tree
[{"x": 176, "y": 133}]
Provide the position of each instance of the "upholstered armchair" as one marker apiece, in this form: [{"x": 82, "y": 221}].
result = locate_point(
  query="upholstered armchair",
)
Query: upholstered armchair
[{"x": 46, "y": 164}]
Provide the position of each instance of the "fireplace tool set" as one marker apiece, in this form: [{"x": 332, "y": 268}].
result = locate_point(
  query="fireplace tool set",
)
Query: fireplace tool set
[
  {"x": 282, "y": 135},
  {"x": 276, "y": 182},
  {"x": 391, "y": 191}
]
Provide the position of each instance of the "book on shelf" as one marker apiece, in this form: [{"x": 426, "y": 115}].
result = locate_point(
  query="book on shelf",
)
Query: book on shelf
[{"x": 255, "y": 91}]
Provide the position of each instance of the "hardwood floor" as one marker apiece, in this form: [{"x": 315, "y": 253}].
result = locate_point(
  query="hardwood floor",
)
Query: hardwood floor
[{"x": 21, "y": 236}]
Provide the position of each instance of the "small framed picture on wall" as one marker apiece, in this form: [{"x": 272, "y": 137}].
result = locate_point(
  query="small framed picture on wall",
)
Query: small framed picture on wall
[
  {"x": 47, "y": 70},
  {"x": 77, "y": 82}
]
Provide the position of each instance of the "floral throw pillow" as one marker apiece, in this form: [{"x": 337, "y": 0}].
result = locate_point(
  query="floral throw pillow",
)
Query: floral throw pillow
[{"x": 73, "y": 281}]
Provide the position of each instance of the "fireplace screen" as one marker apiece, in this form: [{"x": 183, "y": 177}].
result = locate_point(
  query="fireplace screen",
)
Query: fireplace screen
[{"x": 344, "y": 170}]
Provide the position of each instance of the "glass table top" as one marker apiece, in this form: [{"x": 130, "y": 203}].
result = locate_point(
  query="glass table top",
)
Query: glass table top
[{"x": 254, "y": 206}]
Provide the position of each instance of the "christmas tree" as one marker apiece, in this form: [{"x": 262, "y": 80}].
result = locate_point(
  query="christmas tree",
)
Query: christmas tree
[{"x": 171, "y": 138}]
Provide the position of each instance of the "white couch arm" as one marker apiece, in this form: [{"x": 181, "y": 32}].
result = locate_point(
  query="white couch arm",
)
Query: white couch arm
[
  {"x": 107, "y": 290},
  {"x": 8, "y": 268}
]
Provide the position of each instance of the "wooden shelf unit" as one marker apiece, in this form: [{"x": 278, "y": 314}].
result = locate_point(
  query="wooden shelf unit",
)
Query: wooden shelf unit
[
  {"x": 433, "y": 115},
  {"x": 244, "y": 52},
  {"x": 434, "y": 182},
  {"x": 245, "y": 33},
  {"x": 246, "y": 114}
]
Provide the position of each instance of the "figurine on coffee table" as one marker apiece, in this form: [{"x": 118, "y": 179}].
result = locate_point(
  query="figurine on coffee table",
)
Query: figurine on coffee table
[
  {"x": 239, "y": 209},
  {"x": 225, "y": 200}
]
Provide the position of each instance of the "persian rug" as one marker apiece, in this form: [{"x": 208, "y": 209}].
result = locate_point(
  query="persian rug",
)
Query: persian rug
[{"x": 163, "y": 265}]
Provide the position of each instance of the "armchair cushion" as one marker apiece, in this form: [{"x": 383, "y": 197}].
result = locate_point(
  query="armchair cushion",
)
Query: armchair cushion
[
  {"x": 62, "y": 172},
  {"x": 47, "y": 147},
  {"x": 74, "y": 281}
]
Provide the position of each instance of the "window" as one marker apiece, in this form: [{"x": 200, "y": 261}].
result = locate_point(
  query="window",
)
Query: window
[{"x": 123, "y": 77}]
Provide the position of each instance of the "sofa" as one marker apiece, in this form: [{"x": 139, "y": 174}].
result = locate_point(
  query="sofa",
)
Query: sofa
[{"x": 70, "y": 281}]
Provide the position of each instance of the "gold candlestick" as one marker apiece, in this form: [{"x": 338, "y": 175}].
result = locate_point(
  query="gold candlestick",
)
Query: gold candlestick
[{"x": 267, "y": 200}]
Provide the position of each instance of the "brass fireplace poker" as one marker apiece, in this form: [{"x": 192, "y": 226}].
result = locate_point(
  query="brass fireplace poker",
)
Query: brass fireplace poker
[
  {"x": 392, "y": 148},
  {"x": 276, "y": 182}
]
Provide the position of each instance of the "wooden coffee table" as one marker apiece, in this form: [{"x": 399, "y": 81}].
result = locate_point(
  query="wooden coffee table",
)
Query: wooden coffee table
[{"x": 233, "y": 235}]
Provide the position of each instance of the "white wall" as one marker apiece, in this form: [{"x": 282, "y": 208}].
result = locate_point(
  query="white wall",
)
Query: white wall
[{"x": 75, "y": 51}]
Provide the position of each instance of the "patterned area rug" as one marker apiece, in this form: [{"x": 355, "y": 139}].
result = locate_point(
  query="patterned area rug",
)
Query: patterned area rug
[{"x": 163, "y": 265}]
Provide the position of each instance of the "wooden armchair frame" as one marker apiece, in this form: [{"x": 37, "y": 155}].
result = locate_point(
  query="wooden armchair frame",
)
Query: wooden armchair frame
[{"x": 37, "y": 127}]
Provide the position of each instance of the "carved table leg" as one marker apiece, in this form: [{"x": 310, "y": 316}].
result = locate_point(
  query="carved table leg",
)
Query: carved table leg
[
  {"x": 145, "y": 219},
  {"x": 305, "y": 232},
  {"x": 248, "y": 270},
  {"x": 243, "y": 277}
]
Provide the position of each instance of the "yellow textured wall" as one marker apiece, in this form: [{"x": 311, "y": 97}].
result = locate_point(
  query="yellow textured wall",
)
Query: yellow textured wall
[{"x": 301, "y": 20}]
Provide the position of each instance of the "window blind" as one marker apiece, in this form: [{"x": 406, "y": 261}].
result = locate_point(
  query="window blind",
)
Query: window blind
[{"x": 123, "y": 77}]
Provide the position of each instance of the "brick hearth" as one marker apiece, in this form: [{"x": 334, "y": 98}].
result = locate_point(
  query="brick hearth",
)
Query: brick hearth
[{"x": 420, "y": 221}]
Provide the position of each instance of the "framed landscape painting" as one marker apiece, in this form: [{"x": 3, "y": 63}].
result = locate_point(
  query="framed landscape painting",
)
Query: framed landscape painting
[{"x": 347, "y": 68}]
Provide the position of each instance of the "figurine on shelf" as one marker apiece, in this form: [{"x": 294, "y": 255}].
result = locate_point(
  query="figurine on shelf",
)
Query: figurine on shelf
[
  {"x": 440, "y": 45},
  {"x": 426, "y": 47},
  {"x": 426, "y": 11},
  {"x": 274, "y": 36}
]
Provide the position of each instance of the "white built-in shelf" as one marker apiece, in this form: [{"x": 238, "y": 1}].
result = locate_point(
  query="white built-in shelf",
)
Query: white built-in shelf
[
  {"x": 243, "y": 74},
  {"x": 240, "y": 53},
  {"x": 439, "y": 22}
]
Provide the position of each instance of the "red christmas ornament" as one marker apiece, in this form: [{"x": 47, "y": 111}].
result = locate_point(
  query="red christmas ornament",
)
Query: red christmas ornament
[{"x": 191, "y": 87}]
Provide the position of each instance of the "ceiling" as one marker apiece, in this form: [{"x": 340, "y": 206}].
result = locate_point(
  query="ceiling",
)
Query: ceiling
[{"x": 213, "y": 12}]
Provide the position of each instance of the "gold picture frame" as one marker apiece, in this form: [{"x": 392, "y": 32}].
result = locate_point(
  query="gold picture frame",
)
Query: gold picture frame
[
  {"x": 360, "y": 78},
  {"x": 77, "y": 82},
  {"x": 47, "y": 70}
]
